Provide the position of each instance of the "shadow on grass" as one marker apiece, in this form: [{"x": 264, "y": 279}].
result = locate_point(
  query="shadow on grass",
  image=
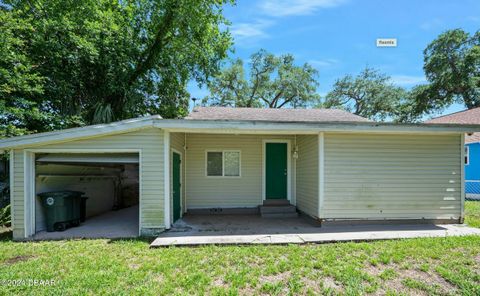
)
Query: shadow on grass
[
  {"x": 141, "y": 239},
  {"x": 6, "y": 235}
]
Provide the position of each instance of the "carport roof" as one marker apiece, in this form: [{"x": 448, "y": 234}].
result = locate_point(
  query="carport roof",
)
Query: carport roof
[{"x": 224, "y": 126}]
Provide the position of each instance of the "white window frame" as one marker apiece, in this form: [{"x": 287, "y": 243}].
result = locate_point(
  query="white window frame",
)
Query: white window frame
[
  {"x": 466, "y": 158},
  {"x": 223, "y": 163}
]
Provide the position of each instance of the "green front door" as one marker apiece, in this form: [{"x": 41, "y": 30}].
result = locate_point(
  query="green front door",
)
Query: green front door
[
  {"x": 176, "y": 186},
  {"x": 276, "y": 171}
]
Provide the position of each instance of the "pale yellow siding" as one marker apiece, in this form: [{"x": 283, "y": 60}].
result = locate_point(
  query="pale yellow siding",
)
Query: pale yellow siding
[
  {"x": 210, "y": 192},
  {"x": 177, "y": 142},
  {"x": 307, "y": 175},
  {"x": 370, "y": 176},
  {"x": 149, "y": 141}
]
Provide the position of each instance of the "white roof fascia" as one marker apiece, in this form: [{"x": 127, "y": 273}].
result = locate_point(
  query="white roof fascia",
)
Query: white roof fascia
[
  {"x": 78, "y": 133},
  {"x": 226, "y": 126}
]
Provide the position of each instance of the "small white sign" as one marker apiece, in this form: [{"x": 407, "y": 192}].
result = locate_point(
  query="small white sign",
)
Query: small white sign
[{"x": 387, "y": 42}]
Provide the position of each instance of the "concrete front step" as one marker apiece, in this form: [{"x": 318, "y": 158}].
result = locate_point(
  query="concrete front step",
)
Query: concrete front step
[
  {"x": 280, "y": 215},
  {"x": 276, "y": 202},
  {"x": 277, "y": 209}
]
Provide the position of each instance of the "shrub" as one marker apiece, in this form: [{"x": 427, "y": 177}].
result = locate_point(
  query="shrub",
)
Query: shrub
[{"x": 5, "y": 216}]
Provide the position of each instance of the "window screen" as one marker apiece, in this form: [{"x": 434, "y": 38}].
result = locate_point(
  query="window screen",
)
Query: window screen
[{"x": 232, "y": 163}]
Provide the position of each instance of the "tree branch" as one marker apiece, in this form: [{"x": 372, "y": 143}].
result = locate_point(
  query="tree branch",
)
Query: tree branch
[{"x": 152, "y": 52}]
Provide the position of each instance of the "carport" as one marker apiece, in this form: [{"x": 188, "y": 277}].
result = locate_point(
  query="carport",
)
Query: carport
[{"x": 109, "y": 180}]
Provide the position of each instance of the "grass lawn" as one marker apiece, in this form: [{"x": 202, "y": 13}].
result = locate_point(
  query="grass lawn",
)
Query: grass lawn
[
  {"x": 428, "y": 266},
  {"x": 472, "y": 213}
]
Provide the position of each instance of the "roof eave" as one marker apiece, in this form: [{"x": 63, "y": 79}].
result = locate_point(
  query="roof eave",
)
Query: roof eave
[
  {"x": 245, "y": 125},
  {"x": 229, "y": 126}
]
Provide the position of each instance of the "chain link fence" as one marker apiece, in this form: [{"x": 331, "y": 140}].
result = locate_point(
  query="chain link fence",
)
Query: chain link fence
[{"x": 472, "y": 189}]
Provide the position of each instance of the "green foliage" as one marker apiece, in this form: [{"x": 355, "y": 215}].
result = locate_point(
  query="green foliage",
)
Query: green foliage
[
  {"x": 5, "y": 216},
  {"x": 66, "y": 63},
  {"x": 452, "y": 68},
  {"x": 370, "y": 94},
  {"x": 274, "y": 82}
]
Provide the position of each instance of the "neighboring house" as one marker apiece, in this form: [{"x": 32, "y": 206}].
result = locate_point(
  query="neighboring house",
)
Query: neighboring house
[
  {"x": 330, "y": 164},
  {"x": 472, "y": 148}
]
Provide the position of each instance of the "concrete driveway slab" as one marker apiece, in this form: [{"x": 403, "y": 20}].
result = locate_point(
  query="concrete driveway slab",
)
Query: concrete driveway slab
[{"x": 229, "y": 230}]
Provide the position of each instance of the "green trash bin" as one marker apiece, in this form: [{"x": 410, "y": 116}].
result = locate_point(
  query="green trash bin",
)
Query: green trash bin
[
  {"x": 62, "y": 209},
  {"x": 83, "y": 208}
]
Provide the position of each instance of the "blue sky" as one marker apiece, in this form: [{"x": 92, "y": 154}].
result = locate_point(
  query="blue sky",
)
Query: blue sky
[{"x": 338, "y": 36}]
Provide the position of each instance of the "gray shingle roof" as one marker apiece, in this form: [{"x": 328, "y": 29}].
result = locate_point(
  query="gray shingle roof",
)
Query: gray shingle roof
[
  {"x": 279, "y": 115},
  {"x": 471, "y": 116}
]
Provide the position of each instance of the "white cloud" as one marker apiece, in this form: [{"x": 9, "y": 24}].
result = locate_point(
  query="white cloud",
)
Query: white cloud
[
  {"x": 407, "y": 80},
  {"x": 255, "y": 30},
  {"x": 280, "y": 8},
  {"x": 323, "y": 63}
]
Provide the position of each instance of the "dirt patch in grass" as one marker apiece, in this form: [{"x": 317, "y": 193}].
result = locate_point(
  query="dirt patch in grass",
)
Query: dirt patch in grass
[
  {"x": 312, "y": 285},
  {"x": 219, "y": 283},
  {"x": 279, "y": 277},
  {"x": 376, "y": 270},
  {"x": 329, "y": 283},
  {"x": 134, "y": 266},
  {"x": 477, "y": 258},
  {"x": 17, "y": 259},
  {"x": 393, "y": 278},
  {"x": 431, "y": 280}
]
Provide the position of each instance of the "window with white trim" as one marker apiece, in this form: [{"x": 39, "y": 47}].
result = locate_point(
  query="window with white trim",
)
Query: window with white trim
[
  {"x": 467, "y": 155},
  {"x": 225, "y": 163}
]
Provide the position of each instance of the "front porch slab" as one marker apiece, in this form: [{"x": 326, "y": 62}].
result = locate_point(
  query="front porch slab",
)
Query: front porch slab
[{"x": 251, "y": 229}]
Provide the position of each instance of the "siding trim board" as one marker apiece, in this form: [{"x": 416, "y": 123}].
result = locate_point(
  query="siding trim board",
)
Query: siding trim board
[
  {"x": 166, "y": 184},
  {"x": 29, "y": 192},
  {"x": 12, "y": 186},
  {"x": 321, "y": 174}
]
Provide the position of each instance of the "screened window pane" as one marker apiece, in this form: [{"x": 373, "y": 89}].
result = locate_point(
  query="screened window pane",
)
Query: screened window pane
[
  {"x": 214, "y": 163},
  {"x": 232, "y": 163}
]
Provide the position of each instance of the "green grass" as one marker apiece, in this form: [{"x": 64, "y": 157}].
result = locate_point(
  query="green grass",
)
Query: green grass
[
  {"x": 128, "y": 267},
  {"x": 472, "y": 213},
  {"x": 433, "y": 266}
]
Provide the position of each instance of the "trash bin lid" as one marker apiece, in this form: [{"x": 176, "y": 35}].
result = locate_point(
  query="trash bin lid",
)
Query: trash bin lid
[{"x": 61, "y": 193}]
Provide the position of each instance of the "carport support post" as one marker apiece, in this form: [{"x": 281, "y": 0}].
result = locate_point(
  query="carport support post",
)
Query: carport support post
[{"x": 166, "y": 173}]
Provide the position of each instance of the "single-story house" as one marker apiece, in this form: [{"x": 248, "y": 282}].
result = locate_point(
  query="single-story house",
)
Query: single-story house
[
  {"x": 472, "y": 148},
  {"x": 330, "y": 164}
]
